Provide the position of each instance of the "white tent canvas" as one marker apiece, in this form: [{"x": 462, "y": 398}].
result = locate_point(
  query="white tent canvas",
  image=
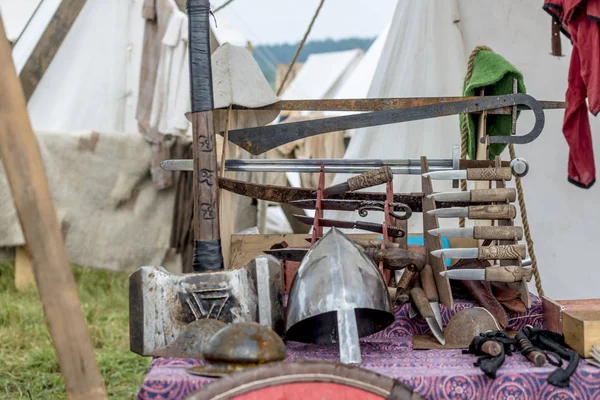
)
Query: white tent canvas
[
  {"x": 426, "y": 55},
  {"x": 320, "y": 73}
]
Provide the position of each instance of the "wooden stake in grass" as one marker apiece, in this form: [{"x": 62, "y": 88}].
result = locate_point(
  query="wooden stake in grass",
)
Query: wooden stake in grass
[{"x": 35, "y": 209}]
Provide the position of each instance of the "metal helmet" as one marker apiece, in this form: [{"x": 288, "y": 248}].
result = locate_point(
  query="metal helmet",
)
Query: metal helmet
[{"x": 337, "y": 296}]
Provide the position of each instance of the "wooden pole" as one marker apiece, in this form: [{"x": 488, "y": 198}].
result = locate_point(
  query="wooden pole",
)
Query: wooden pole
[{"x": 35, "y": 209}]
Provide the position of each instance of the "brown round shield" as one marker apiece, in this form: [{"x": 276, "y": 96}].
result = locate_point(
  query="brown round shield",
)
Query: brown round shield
[{"x": 305, "y": 380}]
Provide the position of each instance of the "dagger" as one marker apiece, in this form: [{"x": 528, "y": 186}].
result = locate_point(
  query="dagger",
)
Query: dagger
[
  {"x": 472, "y": 174},
  {"x": 364, "y": 243},
  {"x": 504, "y": 274},
  {"x": 393, "y": 258},
  {"x": 363, "y": 207},
  {"x": 362, "y": 181},
  {"x": 393, "y": 231},
  {"x": 262, "y": 139},
  {"x": 286, "y": 194},
  {"x": 499, "y": 195},
  {"x": 481, "y": 232},
  {"x": 502, "y": 252},
  {"x": 504, "y": 212},
  {"x": 207, "y": 240}
]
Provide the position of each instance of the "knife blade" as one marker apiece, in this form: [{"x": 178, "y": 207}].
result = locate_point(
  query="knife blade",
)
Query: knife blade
[
  {"x": 368, "y": 179},
  {"x": 499, "y": 195},
  {"x": 363, "y": 207},
  {"x": 504, "y": 274},
  {"x": 472, "y": 174},
  {"x": 488, "y": 212},
  {"x": 393, "y": 231},
  {"x": 422, "y": 305},
  {"x": 501, "y": 252},
  {"x": 481, "y": 232},
  {"x": 430, "y": 289}
]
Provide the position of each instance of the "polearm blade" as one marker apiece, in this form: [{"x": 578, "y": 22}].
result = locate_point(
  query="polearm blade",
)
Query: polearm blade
[
  {"x": 261, "y": 139},
  {"x": 207, "y": 244},
  {"x": 361, "y": 105}
]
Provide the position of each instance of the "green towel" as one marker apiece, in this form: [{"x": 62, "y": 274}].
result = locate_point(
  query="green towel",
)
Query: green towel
[{"x": 492, "y": 71}]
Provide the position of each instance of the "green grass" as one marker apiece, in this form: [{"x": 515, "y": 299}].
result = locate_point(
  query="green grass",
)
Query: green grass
[{"x": 28, "y": 364}]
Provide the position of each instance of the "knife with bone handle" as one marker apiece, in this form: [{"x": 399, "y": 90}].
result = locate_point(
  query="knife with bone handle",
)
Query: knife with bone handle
[
  {"x": 421, "y": 303},
  {"x": 506, "y": 274},
  {"x": 498, "y": 195},
  {"x": 368, "y": 179},
  {"x": 362, "y": 206},
  {"x": 393, "y": 231},
  {"x": 501, "y": 252},
  {"x": 481, "y": 232},
  {"x": 472, "y": 174},
  {"x": 487, "y": 212}
]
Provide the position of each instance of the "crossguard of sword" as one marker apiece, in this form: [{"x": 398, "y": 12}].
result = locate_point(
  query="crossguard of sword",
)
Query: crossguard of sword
[
  {"x": 366, "y": 206},
  {"x": 540, "y": 120}
]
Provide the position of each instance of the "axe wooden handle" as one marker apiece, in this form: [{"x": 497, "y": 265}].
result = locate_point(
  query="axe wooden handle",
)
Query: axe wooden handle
[
  {"x": 493, "y": 195},
  {"x": 371, "y": 178},
  {"x": 35, "y": 208},
  {"x": 504, "y": 211},
  {"x": 503, "y": 252},
  {"x": 207, "y": 246},
  {"x": 489, "y": 174}
]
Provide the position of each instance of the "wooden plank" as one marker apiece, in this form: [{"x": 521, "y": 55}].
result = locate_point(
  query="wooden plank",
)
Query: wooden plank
[
  {"x": 24, "y": 277},
  {"x": 35, "y": 208},
  {"x": 432, "y": 243},
  {"x": 553, "y": 310},
  {"x": 48, "y": 45},
  {"x": 581, "y": 330}
]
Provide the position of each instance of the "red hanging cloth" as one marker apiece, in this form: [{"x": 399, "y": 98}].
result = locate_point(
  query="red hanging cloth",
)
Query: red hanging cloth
[{"x": 580, "y": 21}]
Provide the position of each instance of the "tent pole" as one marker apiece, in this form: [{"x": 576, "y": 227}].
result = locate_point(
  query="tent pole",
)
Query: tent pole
[{"x": 35, "y": 208}]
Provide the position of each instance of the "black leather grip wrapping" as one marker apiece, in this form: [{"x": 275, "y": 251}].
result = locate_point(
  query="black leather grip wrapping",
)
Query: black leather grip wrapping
[
  {"x": 207, "y": 256},
  {"x": 201, "y": 89}
]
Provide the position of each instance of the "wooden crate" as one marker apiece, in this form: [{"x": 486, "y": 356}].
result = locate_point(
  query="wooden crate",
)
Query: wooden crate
[{"x": 581, "y": 330}]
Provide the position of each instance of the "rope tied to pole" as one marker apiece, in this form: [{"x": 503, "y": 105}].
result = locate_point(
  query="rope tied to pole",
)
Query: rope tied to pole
[
  {"x": 299, "y": 49},
  {"x": 519, "y": 185}
]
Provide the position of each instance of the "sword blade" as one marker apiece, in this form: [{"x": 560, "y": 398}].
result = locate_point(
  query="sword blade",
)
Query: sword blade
[{"x": 262, "y": 139}]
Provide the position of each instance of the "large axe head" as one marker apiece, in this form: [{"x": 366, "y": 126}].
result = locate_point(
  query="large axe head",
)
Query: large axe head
[{"x": 161, "y": 304}]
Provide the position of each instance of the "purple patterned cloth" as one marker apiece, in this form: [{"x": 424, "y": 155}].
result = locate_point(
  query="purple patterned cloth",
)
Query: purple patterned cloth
[{"x": 433, "y": 373}]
